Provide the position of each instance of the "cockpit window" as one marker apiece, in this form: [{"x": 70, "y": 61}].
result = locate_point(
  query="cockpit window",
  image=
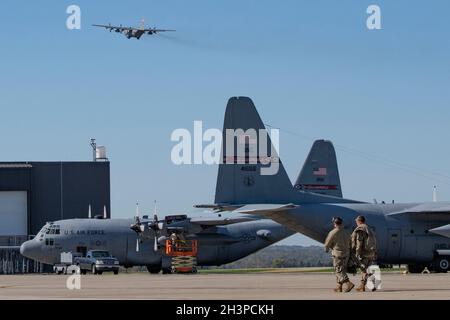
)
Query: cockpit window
[
  {"x": 49, "y": 229},
  {"x": 52, "y": 229},
  {"x": 44, "y": 230}
]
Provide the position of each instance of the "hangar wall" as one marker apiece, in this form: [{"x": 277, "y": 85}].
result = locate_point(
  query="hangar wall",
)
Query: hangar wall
[
  {"x": 65, "y": 190},
  {"x": 54, "y": 191}
]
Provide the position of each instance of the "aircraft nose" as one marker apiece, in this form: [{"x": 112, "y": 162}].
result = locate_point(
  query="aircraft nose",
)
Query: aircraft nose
[{"x": 29, "y": 249}]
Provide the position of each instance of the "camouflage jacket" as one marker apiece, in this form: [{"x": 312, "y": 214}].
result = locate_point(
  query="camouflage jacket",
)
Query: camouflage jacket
[
  {"x": 338, "y": 240},
  {"x": 359, "y": 240}
]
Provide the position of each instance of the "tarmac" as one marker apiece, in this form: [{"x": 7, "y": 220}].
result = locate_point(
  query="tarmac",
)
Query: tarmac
[{"x": 244, "y": 286}]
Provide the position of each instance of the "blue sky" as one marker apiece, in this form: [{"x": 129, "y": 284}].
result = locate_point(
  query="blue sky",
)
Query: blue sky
[{"x": 311, "y": 67}]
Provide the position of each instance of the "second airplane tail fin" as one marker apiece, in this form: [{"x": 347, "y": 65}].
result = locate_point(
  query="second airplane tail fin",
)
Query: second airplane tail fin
[
  {"x": 320, "y": 172},
  {"x": 251, "y": 171}
]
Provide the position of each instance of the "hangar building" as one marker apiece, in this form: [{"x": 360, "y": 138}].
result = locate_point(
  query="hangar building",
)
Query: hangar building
[{"x": 33, "y": 193}]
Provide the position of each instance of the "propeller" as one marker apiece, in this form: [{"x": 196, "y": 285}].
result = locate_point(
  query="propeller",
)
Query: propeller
[
  {"x": 137, "y": 226},
  {"x": 156, "y": 228}
]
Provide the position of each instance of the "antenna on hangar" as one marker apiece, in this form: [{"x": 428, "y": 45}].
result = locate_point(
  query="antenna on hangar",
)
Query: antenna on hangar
[{"x": 94, "y": 149}]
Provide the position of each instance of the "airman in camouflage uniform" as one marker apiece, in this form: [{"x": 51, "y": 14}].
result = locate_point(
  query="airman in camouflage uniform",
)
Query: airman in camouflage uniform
[
  {"x": 338, "y": 240},
  {"x": 364, "y": 256}
]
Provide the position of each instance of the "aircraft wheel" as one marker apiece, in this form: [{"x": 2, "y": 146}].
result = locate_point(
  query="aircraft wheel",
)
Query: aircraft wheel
[
  {"x": 166, "y": 270},
  {"x": 99, "y": 272},
  {"x": 442, "y": 264},
  {"x": 116, "y": 271},
  {"x": 154, "y": 269},
  {"x": 83, "y": 271},
  {"x": 415, "y": 268}
]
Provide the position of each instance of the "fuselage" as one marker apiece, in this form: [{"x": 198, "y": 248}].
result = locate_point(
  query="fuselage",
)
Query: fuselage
[
  {"x": 135, "y": 33},
  {"x": 216, "y": 246},
  {"x": 401, "y": 238}
]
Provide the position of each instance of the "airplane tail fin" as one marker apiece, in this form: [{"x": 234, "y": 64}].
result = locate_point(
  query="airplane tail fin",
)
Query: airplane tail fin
[
  {"x": 251, "y": 171},
  {"x": 142, "y": 26},
  {"x": 320, "y": 172}
]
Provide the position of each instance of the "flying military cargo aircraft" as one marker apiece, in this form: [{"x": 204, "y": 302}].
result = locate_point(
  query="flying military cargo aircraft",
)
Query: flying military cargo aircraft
[
  {"x": 132, "y": 32},
  {"x": 140, "y": 241},
  {"x": 416, "y": 234}
]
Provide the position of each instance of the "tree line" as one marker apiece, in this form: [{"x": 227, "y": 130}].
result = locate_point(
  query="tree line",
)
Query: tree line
[{"x": 279, "y": 256}]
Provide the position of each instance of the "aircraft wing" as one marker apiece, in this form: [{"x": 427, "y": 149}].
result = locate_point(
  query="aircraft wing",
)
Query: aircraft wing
[
  {"x": 425, "y": 208},
  {"x": 255, "y": 211},
  {"x": 110, "y": 27},
  {"x": 158, "y": 30},
  {"x": 442, "y": 231},
  {"x": 264, "y": 209},
  {"x": 205, "y": 221},
  {"x": 218, "y": 207},
  {"x": 252, "y": 209}
]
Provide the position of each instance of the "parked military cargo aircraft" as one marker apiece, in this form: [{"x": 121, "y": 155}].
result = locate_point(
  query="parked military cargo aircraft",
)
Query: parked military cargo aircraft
[
  {"x": 140, "y": 242},
  {"x": 416, "y": 234}
]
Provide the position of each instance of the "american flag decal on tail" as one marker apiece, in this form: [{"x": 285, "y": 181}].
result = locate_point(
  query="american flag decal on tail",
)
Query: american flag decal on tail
[{"x": 320, "y": 171}]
